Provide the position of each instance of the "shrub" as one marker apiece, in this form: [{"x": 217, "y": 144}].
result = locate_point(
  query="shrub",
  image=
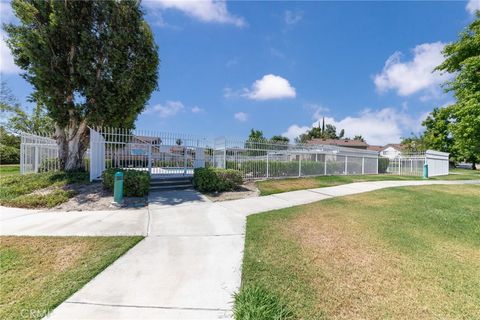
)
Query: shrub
[
  {"x": 254, "y": 302},
  {"x": 9, "y": 155},
  {"x": 135, "y": 183},
  {"x": 214, "y": 179},
  {"x": 383, "y": 165}
]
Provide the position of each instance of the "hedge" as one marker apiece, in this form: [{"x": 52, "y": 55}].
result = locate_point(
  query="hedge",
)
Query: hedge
[
  {"x": 216, "y": 180},
  {"x": 383, "y": 165},
  {"x": 135, "y": 183},
  {"x": 9, "y": 155}
]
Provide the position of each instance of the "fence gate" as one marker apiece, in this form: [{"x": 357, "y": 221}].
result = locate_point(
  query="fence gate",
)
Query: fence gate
[{"x": 161, "y": 154}]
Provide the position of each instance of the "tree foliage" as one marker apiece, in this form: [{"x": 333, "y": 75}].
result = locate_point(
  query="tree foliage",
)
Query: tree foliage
[
  {"x": 322, "y": 131},
  {"x": 463, "y": 58},
  {"x": 91, "y": 63},
  {"x": 437, "y": 135},
  {"x": 16, "y": 119}
]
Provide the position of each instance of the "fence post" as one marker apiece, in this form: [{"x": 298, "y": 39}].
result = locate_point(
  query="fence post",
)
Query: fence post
[
  {"x": 225, "y": 153},
  {"x": 35, "y": 167},
  {"x": 346, "y": 165},
  {"x": 184, "y": 160},
  {"x": 267, "y": 164},
  {"x": 363, "y": 165},
  {"x": 299, "y": 165},
  {"x": 325, "y": 163},
  {"x": 150, "y": 159}
]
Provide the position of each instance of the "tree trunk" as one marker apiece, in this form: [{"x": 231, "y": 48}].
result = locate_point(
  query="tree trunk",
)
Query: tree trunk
[{"x": 72, "y": 141}]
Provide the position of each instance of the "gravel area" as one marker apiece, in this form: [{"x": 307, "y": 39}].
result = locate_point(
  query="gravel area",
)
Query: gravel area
[{"x": 92, "y": 196}]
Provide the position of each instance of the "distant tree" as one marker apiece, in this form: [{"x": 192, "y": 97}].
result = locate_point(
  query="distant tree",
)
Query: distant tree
[
  {"x": 9, "y": 147},
  {"x": 91, "y": 63},
  {"x": 359, "y": 138},
  {"x": 16, "y": 119},
  {"x": 413, "y": 144},
  {"x": 256, "y": 135},
  {"x": 463, "y": 58},
  {"x": 279, "y": 139},
  {"x": 323, "y": 131},
  {"x": 255, "y": 142}
]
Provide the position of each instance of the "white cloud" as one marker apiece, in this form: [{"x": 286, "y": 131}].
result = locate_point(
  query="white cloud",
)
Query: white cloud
[
  {"x": 197, "y": 109},
  {"x": 213, "y": 11},
  {"x": 292, "y": 17},
  {"x": 169, "y": 109},
  {"x": 378, "y": 127},
  {"x": 416, "y": 75},
  {"x": 270, "y": 87},
  {"x": 318, "y": 110},
  {"x": 241, "y": 116},
  {"x": 472, "y": 6},
  {"x": 294, "y": 131},
  {"x": 7, "y": 66}
]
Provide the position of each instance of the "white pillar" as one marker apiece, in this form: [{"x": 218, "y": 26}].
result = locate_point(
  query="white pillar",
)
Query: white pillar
[
  {"x": 299, "y": 165},
  {"x": 325, "y": 163},
  {"x": 363, "y": 165}
]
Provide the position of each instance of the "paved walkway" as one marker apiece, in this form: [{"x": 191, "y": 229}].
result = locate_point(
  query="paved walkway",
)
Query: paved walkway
[{"x": 189, "y": 264}]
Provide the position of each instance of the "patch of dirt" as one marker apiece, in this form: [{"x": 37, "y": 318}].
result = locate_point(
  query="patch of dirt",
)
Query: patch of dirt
[
  {"x": 92, "y": 196},
  {"x": 67, "y": 256},
  {"x": 247, "y": 190},
  {"x": 44, "y": 191}
]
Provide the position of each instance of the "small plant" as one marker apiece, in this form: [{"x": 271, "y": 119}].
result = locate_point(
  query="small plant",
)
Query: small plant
[
  {"x": 256, "y": 303},
  {"x": 135, "y": 183},
  {"x": 216, "y": 180}
]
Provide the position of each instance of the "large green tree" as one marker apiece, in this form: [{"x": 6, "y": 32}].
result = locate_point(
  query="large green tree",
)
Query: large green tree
[
  {"x": 437, "y": 135},
  {"x": 463, "y": 58},
  {"x": 91, "y": 63}
]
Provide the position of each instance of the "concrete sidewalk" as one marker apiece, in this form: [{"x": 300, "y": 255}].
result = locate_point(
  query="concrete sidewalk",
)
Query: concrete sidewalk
[{"x": 188, "y": 266}]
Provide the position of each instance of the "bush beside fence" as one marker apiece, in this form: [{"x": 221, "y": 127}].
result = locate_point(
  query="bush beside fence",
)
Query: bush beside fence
[
  {"x": 216, "y": 180},
  {"x": 135, "y": 183}
]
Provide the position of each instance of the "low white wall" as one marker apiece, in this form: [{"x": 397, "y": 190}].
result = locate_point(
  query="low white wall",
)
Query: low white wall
[{"x": 437, "y": 163}]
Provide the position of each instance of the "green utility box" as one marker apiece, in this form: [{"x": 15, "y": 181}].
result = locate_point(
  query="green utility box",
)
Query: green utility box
[
  {"x": 118, "y": 187},
  {"x": 425, "y": 171}
]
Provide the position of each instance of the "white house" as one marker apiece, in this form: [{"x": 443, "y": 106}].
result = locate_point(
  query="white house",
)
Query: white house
[{"x": 392, "y": 150}]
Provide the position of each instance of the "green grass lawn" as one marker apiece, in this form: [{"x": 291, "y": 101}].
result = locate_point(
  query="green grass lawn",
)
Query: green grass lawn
[
  {"x": 38, "y": 273},
  {"x": 23, "y": 190},
  {"x": 410, "y": 252},
  {"x": 9, "y": 169},
  {"x": 273, "y": 186}
]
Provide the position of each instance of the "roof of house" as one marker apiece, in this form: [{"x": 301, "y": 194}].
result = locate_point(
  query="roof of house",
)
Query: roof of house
[
  {"x": 396, "y": 146},
  {"x": 339, "y": 142},
  {"x": 375, "y": 148}
]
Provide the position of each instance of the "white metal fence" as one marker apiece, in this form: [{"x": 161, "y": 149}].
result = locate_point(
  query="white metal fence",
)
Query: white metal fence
[
  {"x": 264, "y": 159},
  {"x": 38, "y": 153},
  {"x": 159, "y": 153},
  {"x": 166, "y": 154},
  {"x": 412, "y": 164}
]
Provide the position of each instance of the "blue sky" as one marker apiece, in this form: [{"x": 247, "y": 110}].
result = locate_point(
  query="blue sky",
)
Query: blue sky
[{"x": 227, "y": 67}]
